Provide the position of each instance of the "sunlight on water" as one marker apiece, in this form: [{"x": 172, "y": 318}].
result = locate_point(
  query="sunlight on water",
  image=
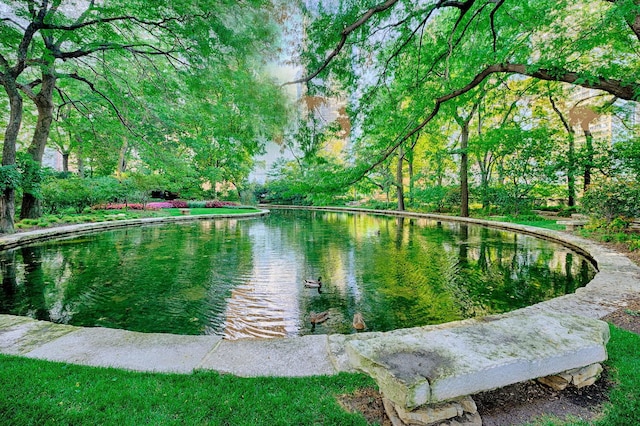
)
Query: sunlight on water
[{"x": 245, "y": 278}]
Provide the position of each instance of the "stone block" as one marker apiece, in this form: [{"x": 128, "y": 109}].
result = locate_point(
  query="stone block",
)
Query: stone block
[
  {"x": 586, "y": 376},
  {"x": 555, "y": 382},
  {"x": 130, "y": 350},
  {"x": 431, "y": 365},
  {"x": 578, "y": 377},
  {"x": 448, "y": 413}
]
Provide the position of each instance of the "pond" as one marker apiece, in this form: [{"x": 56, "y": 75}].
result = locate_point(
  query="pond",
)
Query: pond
[{"x": 245, "y": 278}]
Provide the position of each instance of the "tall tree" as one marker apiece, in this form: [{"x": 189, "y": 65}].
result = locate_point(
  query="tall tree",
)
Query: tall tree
[
  {"x": 78, "y": 44},
  {"x": 464, "y": 43}
]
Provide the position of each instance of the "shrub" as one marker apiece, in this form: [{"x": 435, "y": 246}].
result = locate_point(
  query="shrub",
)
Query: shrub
[
  {"x": 219, "y": 204},
  {"x": 612, "y": 200},
  {"x": 157, "y": 205},
  {"x": 120, "y": 206},
  {"x": 567, "y": 211},
  {"x": 192, "y": 204},
  {"x": 179, "y": 204}
]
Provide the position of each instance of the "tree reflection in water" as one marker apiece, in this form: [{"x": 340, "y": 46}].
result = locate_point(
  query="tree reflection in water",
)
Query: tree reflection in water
[{"x": 244, "y": 278}]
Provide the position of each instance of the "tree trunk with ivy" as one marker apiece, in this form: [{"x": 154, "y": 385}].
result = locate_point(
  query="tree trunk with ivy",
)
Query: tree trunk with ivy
[
  {"x": 400, "y": 180},
  {"x": 31, "y": 203},
  {"x": 8, "y": 172}
]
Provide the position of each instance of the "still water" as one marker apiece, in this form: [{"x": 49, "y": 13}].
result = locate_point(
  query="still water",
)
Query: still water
[{"x": 245, "y": 278}]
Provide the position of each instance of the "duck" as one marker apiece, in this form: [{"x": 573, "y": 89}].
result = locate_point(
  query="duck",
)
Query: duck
[
  {"x": 317, "y": 318},
  {"x": 358, "y": 321},
  {"x": 313, "y": 283}
]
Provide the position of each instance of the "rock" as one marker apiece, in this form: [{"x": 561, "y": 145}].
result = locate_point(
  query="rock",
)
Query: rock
[
  {"x": 555, "y": 382},
  {"x": 578, "y": 377},
  {"x": 428, "y": 365},
  {"x": 448, "y": 413}
]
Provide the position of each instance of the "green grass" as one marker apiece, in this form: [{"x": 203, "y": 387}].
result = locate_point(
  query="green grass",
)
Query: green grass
[
  {"x": 36, "y": 392},
  {"x": 45, "y": 393},
  {"x": 111, "y": 215},
  {"x": 537, "y": 222},
  {"x": 221, "y": 210}
]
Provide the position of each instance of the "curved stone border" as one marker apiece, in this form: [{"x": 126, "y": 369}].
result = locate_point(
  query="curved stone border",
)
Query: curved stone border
[{"x": 617, "y": 281}]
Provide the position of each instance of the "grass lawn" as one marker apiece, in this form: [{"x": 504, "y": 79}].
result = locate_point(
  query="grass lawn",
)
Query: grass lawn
[
  {"x": 540, "y": 223},
  {"x": 221, "y": 210},
  {"x": 46, "y": 393},
  {"x": 111, "y": 215}
]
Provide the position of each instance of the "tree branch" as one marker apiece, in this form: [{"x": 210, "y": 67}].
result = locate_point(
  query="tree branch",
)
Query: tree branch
[
  {"x": 343, "y": 39},
  {"x": 94, "y": 89},
  {"x": 464, "y": 6},
  {"x": 492, "y": 16},
  {"x": 615, "y": 87}
]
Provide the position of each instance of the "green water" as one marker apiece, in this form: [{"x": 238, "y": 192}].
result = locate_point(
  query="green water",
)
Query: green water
[{"x": 244, "y": 278}]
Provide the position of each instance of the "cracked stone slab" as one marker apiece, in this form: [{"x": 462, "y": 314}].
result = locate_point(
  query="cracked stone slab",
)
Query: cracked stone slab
[
  {"x": 430, "y": 365},
  {"x": 19, "y": 335},
  {"x": 106, "y": 347},
  {"x": 295, "y": 357}
]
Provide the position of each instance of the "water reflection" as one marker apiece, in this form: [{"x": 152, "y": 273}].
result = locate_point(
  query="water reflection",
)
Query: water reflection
[{"x": 242, "y": 278}]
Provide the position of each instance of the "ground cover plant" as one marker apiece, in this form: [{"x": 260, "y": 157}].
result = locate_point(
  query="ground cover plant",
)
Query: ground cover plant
[
  {"x": 108, "y": 215},
  {"x": 530, "y": 220},
  {"x": 37, "y": 392},
  {"x": 46, "y": 393}
]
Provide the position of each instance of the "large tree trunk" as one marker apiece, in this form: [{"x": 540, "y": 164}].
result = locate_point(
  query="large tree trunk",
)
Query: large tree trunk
[
  {"x": 31, "y": 205},
  {"x": 122, "y": 158},
  {"x": 588, "y": 164},
  {"x": 400, "y": 179},
  {"x": 410, "y": 172},
  {"x": 65, "y": 161},
  {"x": 464, "y": 171},
  {"x": 7, "y": 198},
  {"x": 571, "y": 172}
]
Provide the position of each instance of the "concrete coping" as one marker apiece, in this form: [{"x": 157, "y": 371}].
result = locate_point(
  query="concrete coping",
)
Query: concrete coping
[
  {"x": 617, "y": 281},
  {"x": 429, "y": 365}
]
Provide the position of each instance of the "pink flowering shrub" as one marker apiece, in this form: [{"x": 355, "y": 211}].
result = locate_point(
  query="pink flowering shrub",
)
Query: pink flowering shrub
[
  {"x": 174, "y": 204},
  {"x": 120, "y": 206},
  {"x": 178, "y": 204},
  {"x": 156, "y": 205},
  {"x": 219, "y": 204}
]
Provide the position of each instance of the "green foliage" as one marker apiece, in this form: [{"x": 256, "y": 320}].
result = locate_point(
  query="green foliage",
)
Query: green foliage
[
  {"x": 438, "y": 198},
  {"x": 613, "y": 199},
  {"x": 79, "y": 194},
  {"x": 32, "y": 174},
  {"x": 40, "y": 392},
  {"x": 192, "y": 204},
  {"x": 10, "y": 178}
]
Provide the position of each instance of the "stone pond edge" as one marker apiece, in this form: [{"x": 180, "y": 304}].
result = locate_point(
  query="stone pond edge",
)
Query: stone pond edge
[{"x": 617, "y": 281}]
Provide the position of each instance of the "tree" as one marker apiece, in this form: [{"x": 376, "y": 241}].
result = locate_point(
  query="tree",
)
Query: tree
[
  {"x": 82, "y": 46},
  {"x": 463, "y": 43}
]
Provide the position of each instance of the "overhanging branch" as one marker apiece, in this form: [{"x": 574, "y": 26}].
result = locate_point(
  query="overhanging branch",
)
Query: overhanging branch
[{"x": 615, "y": 87}]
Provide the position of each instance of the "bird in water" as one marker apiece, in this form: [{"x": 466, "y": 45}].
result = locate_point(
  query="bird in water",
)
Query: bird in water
[
  {"x": 314, "y": 284},
  {"x": 318, "y": 318},
  {"x": 358, "y": 321}
]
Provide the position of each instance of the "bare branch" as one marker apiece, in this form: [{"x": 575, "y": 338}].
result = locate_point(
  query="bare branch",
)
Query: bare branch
[
  {"x": 615, "y": 87},
  {"x": 94, "y": 89},
  {"x": 343, "y": 39},
  {"x": 564, "y": 121},
  {"x": 492, "y": 16}
]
